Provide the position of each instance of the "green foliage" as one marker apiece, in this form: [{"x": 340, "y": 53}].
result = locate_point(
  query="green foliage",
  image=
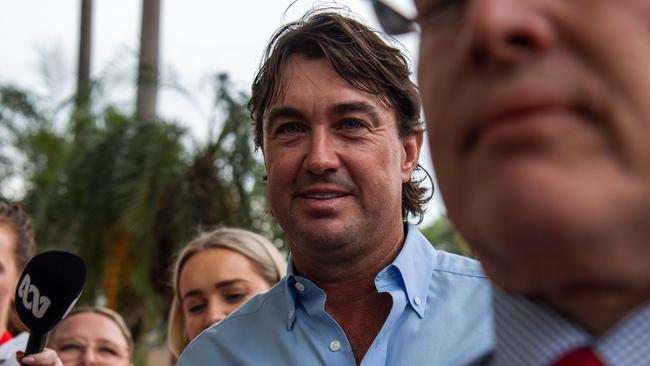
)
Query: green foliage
[
  {"x": 443, "y": 236},
  {"x": 127, "y": 194},
  {"x": 21, "y": 127}
]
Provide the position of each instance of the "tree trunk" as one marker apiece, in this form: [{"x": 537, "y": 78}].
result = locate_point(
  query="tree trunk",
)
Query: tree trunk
[
  {"x": 83, "y": 71},
  {"x": 148, "y": 63}
]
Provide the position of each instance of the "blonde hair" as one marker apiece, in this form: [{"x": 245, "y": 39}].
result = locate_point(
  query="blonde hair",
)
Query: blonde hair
[
  {"x": 108, "y": 313},
  {"x": 265, "y": 257}
]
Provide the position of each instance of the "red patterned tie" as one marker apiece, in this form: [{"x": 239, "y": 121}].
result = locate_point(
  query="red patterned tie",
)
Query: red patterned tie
[{"x": 584, "y": 356}]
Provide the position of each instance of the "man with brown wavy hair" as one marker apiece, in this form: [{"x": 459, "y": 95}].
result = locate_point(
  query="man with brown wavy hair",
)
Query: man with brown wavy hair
[{"x": 337, "y": 119}]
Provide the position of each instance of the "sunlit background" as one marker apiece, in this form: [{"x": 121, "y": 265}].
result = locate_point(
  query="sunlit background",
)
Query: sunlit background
[
  {"x": 124, "y": 194},
  {"x": 197, "y": 39}
]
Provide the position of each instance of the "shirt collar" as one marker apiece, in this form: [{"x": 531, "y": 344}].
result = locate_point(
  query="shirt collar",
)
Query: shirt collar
[
  {"x": 290, "y": 295},
  {"x": 415, "y": 265},
  {"x": 302, "y": 292},
  {"x": 628, "y": 340},
  {"x": 533, "y": 333}
]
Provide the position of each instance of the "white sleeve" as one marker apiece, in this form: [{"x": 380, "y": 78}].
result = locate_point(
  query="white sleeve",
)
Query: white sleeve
[{"x": 8, "y": 349}]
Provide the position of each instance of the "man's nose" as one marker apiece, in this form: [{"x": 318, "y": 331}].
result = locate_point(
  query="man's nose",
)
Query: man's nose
[
  {"x": 502, "y": 32},
  {"x": 322, "y": 156}
]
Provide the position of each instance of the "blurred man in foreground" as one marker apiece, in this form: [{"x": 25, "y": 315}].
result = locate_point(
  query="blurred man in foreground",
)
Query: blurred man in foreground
[
  {"x": 539, "y": 124},
  {"x": 338, "y": 121}
]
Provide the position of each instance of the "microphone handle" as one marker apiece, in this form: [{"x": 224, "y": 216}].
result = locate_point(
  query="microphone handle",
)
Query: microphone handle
[{"x": 35, "y": 343}]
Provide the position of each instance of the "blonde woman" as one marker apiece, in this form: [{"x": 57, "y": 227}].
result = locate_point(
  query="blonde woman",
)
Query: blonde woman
[
  {"x": 214, "y": 274},
  {"x": 92, "y": 335},
  {"x": 87, "y": 336}
]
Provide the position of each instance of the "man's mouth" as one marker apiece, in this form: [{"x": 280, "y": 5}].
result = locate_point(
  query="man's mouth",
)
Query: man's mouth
[
  {"x": 323, "y": 196},
  {"x": 518, "y": 113}
]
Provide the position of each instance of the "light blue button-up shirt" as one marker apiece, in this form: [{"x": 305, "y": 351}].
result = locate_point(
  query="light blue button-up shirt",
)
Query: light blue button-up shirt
[{"x": 440, "y": 316}]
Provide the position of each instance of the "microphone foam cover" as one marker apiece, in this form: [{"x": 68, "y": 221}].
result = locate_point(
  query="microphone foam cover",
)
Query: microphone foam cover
[{"x": 48, "y": 288}]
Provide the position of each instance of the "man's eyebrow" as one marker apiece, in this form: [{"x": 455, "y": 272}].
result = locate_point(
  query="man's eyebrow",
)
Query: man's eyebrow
[
  {"x": 282, "y": 112},
  {"x": 355, "y": 107}
]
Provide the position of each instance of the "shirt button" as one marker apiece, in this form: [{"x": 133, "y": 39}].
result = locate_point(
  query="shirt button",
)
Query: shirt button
[
  {"x": 291, "y": 313},
  {"x": 335, "y": 346},
  {"x": 417, "y": 301},
  {"x": 299, "y": 286}
]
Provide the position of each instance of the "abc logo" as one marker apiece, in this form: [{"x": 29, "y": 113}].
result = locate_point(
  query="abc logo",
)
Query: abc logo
[{"x": 39, "y": 304}]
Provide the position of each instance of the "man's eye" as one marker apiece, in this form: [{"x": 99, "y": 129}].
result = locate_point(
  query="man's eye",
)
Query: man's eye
[
  {"x": 290, "y": 128},
  {"x": 436, "y": 13},
  {"x": 351, "y": 124}
]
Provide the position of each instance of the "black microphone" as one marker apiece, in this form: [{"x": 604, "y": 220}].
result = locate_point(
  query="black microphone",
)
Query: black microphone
[{"x": 47, "y": 289}]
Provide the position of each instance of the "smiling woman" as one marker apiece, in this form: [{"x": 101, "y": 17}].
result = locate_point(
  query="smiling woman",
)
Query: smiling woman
[
  {"x": 213, "y": 275},
  {"x": 92, "y": 336}
]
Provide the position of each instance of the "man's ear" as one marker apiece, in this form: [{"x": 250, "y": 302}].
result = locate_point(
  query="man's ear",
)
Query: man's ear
[
  {"x": 264, "y": 163},
  {"x": 411, "y": 146}
]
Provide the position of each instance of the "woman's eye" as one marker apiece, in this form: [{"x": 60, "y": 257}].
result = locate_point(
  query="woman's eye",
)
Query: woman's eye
[
  {"x": 195, "y": 309},
  {"x": 108, "y": 350},
  {"x": 70, "y": 347},
  {"x": 237, "y": 297}
]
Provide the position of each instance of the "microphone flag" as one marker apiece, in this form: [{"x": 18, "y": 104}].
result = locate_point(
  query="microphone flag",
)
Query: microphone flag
[{"x": 48, "y": 288}]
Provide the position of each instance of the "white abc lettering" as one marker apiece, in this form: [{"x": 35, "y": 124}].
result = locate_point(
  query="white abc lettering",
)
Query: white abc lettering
[
  {"x": 44, "y": 304},
  {"x": 23, "y": 291},
  {"x": 39, "y": 304}
]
